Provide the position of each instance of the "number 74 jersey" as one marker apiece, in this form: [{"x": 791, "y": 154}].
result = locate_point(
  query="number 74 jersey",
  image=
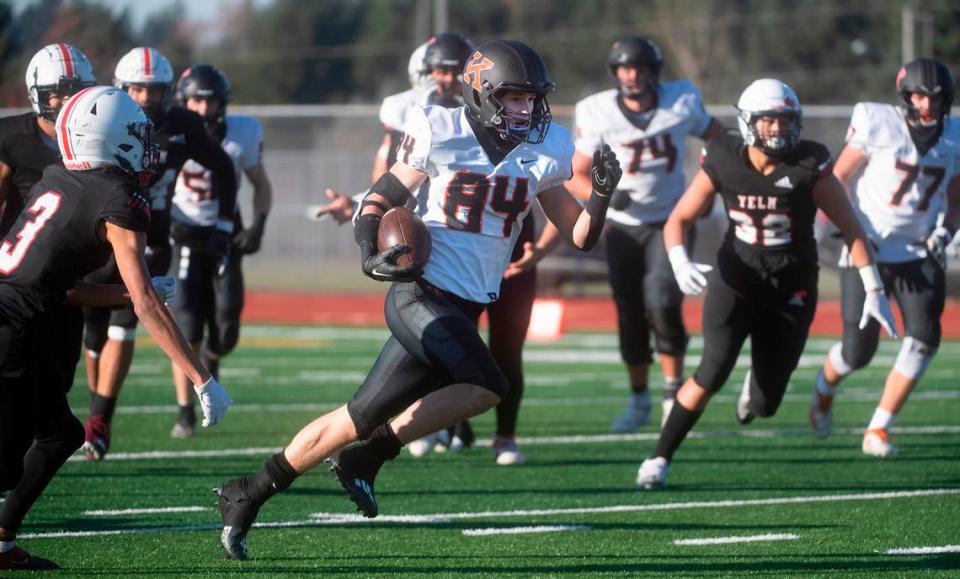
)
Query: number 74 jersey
[
  {"x": 473, "y": 207},
  {"x": 901, "y": 192}
]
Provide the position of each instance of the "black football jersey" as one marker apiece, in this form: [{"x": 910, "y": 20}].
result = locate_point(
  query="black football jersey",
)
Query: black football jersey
[
  {"x": 24, "y": 150},
  {"x": 767, "y": 213},
  {"x": 182, "y": 135},
  {"x": 55, "y": 241}
]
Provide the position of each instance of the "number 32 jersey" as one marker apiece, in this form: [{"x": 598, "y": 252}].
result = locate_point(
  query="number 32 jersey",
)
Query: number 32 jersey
[
  {"x": 767, "y": 213},
  {"x": 472, "y": 207},
  {"x": 900, "y": 193}
]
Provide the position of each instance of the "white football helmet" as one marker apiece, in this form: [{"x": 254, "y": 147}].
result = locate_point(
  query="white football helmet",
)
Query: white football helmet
[
  {"x": 59, "y": 69},
  {"x": 769, "y": 97},
  {"x": 417, "y": 71},
  {"x": 103, "y": 126},
  {"x": 145, "y": 66}
]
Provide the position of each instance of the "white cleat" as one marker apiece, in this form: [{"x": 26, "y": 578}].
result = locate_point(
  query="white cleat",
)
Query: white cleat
[
  {"x": 744, "y": 414},
  {"x": 507, "y": 453},
  {"x": 653, "y": 473},
  {"x": 876, "y": 442},
  {"x": 421, "y": 447},
  {"x": 443, "y": 441},
  {"x": 821, "y": 413},
  {"x": 634, "y": 416}
]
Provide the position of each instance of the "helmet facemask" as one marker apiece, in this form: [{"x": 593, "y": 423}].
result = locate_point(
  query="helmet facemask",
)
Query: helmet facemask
[
  {"x": 65, "y": 88},
  {"x": 777, "y": 145},
  {"x": 515, "y": 128}
]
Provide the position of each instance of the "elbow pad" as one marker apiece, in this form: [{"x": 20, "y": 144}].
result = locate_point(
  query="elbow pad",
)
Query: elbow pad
[{"x": 392, "y": 189}]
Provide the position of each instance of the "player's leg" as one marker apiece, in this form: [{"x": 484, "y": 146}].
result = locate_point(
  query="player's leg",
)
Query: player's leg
[
  {"x": 919, "y": 288},
  {"x": 854, "y": 352},
  {"x": 224, "y": 329},
  {"x": 663, "y": 303},
  {"x": 777, "y": 338},
  {"x": 192, "y": 307},
  {"x": 509, "y": 319},
  {"x": 625, "y": 261},
  {"x": 727, "y": 318}
]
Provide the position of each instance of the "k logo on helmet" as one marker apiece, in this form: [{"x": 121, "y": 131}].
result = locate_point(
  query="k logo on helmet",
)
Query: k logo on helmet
[{"x": 477, "y": 64}]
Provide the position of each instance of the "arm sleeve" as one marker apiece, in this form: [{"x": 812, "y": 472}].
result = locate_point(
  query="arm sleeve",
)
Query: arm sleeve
[
  {"x": 253, "y": 145},
  {"x": 587, "y": 130},
  {"x": 708, "y": 156},
  {"x": 211, "y": 155},
  {"x": 699, "y": 116},
  {"x": 562, "y": 169}
]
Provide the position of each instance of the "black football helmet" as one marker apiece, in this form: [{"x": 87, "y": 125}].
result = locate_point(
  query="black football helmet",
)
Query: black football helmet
[
  {"x": 499, "y": 66},
  {"x": 636, "y": 51},
  {"x": 447, "y": 50},
  {"x": 206, "y": 81},
  {"x": 929, "y": 77}
]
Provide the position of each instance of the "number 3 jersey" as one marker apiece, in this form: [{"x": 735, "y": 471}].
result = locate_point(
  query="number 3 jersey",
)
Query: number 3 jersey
[
  {"x": 900, "y": 192},
  {"x": 56, "y": 239},
  {"x": 472, "y": 207},
  {"x": 767, "y": 213},
  {"x": 650, "y": 150}
]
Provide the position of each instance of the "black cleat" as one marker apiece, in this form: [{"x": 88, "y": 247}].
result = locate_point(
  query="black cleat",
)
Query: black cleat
[
  {"x": 17, "y": 559},
  {"x": 238, "y": 513},
  {"x": 356, "y": 471}
]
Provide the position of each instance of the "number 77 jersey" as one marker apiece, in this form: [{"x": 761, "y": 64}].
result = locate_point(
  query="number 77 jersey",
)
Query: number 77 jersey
[
  {"x": 901, "y": 191},
  {"x": 472, "y": 206}
]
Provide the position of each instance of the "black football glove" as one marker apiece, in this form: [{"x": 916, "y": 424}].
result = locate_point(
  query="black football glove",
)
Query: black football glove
[
  {"x": 606, "y": 171},
  {"x": 383, "y": 266},
  {"x": 248, "y": 240}
]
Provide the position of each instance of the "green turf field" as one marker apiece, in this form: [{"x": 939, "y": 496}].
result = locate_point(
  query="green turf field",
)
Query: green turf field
[{"x": 808, "y": 507}]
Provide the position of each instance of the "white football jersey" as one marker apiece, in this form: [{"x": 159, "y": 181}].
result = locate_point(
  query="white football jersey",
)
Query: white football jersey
[
  {"x": 473, "y": 208},
  {"x": 651, "y": 156},
  {"x": 192, "y": 203},
  {"x": 900, "y": 193}
]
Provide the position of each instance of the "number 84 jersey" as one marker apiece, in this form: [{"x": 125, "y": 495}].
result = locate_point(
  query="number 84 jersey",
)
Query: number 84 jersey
[
  {"x": 473, "y": 207},
  {"x": 901, "y": 192},
  {"x": 767, "y": 213}
]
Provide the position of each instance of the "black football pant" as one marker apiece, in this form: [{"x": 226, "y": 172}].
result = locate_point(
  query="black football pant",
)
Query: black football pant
[
  {"x": 434, "y": 343},
  {"x": 919, "y": 287},
  {"x": 509, "y": 318},
  {"x": 645, "y": 293},
  {"x": 772, "y": 299},
  {"x": 33, "y": 409},
  {"x": 209, "y": 297}
]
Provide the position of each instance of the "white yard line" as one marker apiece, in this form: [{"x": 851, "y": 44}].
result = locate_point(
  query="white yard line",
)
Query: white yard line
[
  {"x": 741, "y": 539},
  {"x": 524, "y": 530},
  {"x": 535, "y": 441},
  {"x": 327, "y": 519},
  {"x": 924, "y": 550},
  {"x": 145, "y": 511}
]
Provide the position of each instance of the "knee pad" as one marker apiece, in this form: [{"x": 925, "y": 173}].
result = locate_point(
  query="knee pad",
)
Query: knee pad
[
  {"x": 840, "y": 366},
  {"x": 670, "y": 335},
  {"x": 121, "y": 334},
  {"x": 94, "y": 337},
  {"x": 914, "y": 357}
]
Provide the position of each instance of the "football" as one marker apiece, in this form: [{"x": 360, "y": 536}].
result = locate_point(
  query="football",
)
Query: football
[{"x": 400, "y": 226}]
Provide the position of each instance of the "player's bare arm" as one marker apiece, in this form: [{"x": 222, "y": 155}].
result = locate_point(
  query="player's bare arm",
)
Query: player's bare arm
[
  {"x": 848, "y": 164},
  {"x": 534, "y": 252},
  {"x": 696, "y": 200},
  {"x": 580, "y": 184}
]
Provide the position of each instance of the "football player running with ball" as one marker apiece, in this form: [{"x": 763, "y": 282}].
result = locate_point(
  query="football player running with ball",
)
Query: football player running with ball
[
  {"x": 900, "y": 168},
  {"x": 486, "y": 163},
  {"x": 765, "y": 286},
  {"x": 79, "y": 214}
]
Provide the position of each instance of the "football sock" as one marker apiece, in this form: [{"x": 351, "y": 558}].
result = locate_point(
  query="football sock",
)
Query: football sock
[
  {"x": 275, "y": 476},
  {"x": 670, "y": 387},
  {"x": 679, "y": 423},
  {"x": 6, "y": 546},
  {"x": 187, "y": 414},
  {"x": 881, "y": 419},
  {"x": 383, "y": 443},
  {"x": 103, "y": 406},
  {"x": 823, "y": 387},
  {"x": 640, "y": 400}
]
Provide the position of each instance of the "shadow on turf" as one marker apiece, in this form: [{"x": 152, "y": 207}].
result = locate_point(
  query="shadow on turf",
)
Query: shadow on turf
[{"x": 555, "y": 565}]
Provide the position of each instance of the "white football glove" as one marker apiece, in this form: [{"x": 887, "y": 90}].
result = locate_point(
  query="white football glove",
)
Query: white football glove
[
  {"x": 689, "y": 275},
  {"x": 875, "y": 304},
  {"x": 213, "y": 401},
  {"x": 937, "y": 244},
  {"x": 166, "y": 287}
]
